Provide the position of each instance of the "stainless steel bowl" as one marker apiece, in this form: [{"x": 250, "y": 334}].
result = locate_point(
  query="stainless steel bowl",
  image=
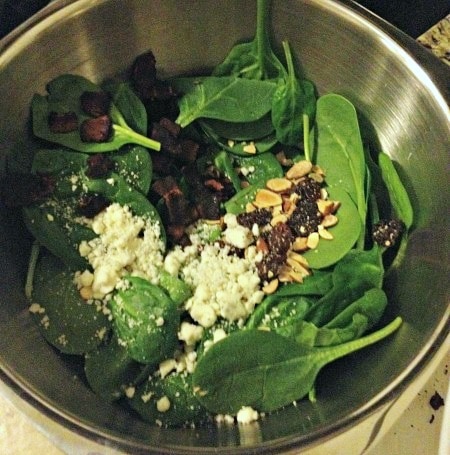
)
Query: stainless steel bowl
[{"x": 401, "y": 93}]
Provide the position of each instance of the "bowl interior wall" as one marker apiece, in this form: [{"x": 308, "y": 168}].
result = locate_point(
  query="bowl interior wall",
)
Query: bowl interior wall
[{"x": 340, "y": 50}]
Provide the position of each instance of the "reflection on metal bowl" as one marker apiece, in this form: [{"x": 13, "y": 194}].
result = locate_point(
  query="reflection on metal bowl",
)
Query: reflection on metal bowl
[{"x": 400, "y": 93}]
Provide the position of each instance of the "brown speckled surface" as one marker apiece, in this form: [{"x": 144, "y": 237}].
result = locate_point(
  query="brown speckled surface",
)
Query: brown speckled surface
[{"x": 437, "y": 40}]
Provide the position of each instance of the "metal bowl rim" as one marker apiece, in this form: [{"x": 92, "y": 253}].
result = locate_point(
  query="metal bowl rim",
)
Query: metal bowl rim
[{"x": 425, "y": 60}]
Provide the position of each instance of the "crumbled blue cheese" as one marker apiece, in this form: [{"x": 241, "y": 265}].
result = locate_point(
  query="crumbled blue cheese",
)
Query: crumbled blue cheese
[
  {"x": 223, "y": 284},
  {"x": 245, "y": 171},
  {"x": 126, "y": 244},
  {"x": 235, "y": 234},
  {"x": 84, "y": 279},
  {"x": 167, "y": 366},
  {"x": 147, "y": 397},
  {"x": 218, "y": 334},
  {"x": 226, "y": 419},
  {"x": 35, "y": 308},
  {"x": 62, "y": 340},
  {"x": 186, "y": 361},
  {"x": 247, "y": 415},
  {"x": 163, "y": 404},
  {"x": 130, "y": 391},
  {"x": 190, "y": 333}
]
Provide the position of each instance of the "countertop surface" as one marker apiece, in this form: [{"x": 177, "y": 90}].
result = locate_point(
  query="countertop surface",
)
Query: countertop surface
[{"x": 417, "y": 432}]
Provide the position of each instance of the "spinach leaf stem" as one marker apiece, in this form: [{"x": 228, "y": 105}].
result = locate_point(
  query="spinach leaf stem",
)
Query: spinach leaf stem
[
  {"x": 137, "y": 138},
  {"x": 306, "y": 143},
  {"x": 35, "y": 249}
]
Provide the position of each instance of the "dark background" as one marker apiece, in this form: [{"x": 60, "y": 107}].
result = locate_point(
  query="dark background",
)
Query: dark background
[{"x": 412, "y": 16}]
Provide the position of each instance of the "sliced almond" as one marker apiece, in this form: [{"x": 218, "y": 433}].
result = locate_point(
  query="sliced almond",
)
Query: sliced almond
[
  {"x": 337, "y": 204},
  {"x": 299, "y": 169},
  {"x": 325, "y": 207},
  {"x": 294, "y": 197},
  {"x": 318, "y": 170},
  {"x": 329, "y": 221},
  {"x": 277, "y": 209},
  {"x": 313, "y": 240},
  {"x": 249, "y": 148},
  {"x": 296, "y": 267},
  {"x": 249, "y": 207},
  {"x": 300, "y": 244},
  {"x": 265, "y": 198},
  {"x": 284, "y": 276},
  {"x": 278, "y": 184},
  {"x": 298, "y": 258},
  {"x": 325, "y": 234},
  {"x": 317, "y": 177},
  {"x": 280, "y": 218},
  {"x": 296, "y": 276},
  {"x": 271, "y": 287}
]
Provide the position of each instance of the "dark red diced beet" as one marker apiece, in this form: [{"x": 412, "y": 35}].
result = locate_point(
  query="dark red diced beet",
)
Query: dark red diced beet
[
  {"x": 99, "y": 165},
  {"x": 97, "y": 129},
  {"x": 143, "y": 72},
  {"x": 92, "y": 204},
  {"x": 95, "y": 103}
]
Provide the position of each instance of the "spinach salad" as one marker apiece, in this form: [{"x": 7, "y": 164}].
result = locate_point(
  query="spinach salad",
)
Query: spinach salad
[{"x": 207, "y": 243}]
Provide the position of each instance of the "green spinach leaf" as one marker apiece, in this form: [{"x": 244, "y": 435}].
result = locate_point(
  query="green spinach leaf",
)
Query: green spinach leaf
[
  {"x": 242, "y": 132},
  {"x": 265, "y": 370},
  {"x": 264, "y": 167},
  {"x": 356, "y": 319},
  {"x": 56, "y": 225},
  {"x": 255, "y": 59},
  {"x": 69, "y": 168},
  {"x": 239, "y": 148},
  {"x": 357, "y": 272},
  {"x": 238, "y": 202},
  {"x": 174, "y": 391},
  {"x": 315, "y": 285},
  {"x": 128, "y": 105},
  {"x": 339, "y": 151},
  {"x": 230, "y": 99},
  {"x": 292, "y": 99},
  {"x": 177, "y": 289},
  {"x": 399, "y": 198},
  {"x": 145, "y": 320},
  {"x": 110, "y": 370},
  {"x": 66, "y": 321},
  {"x": 224, "y": 164},
  {"x": 345, "y": 233},
  {"x": 63, "y": 96}
]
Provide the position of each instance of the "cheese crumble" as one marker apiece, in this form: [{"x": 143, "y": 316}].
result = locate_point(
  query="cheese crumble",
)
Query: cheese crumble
[
  {"x": 126, "y": 244},
  {"x": 223, "y": 284},
  {"x": 247, "y": 415}
]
